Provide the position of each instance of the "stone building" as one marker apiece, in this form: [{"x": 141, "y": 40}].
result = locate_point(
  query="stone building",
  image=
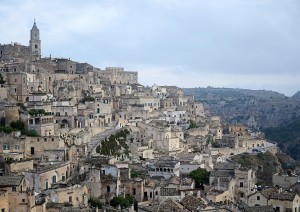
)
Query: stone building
[
  {"x": 76, "y": 194},
  {"x": 40, "y": 147},
  {"x": 20, "y": 199},
  {"x": 230, "y": 182},
  {"x": 44, "y": 177},
  {"x": 12, "y": 147},
  {"x": 238, "y": 130},
  {"x": 285, "y": 181},
  {"x": 66, "y": 66},
  {"x": 166, "y": 167},
  {"x": 280, "y": 201},
  {"x": 43, "y": 124},
  {"x": 14, "y": 52},
  {"x": 65, "y": 112},
  {"x": 117, "y": 75},
  {"x": 17, "y": 85},
  {"x": 35, "y": 43}
]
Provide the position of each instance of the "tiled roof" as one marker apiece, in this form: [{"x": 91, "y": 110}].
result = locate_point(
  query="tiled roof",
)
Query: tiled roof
[
  {"x": 283, "y": 196},
  {"x": 174, "y": 180},
  {"x": 187, "y": 181},
  {"x": 154, "y": 181},
  {"x": 170, "y": 205},
  {"x": 192, "y": 203},
  {"x": 6, "y": 181},
  {"x": 272, "y": 193},
  {"x": 245, "y": 208},
  {"x": 166, "y": 162}
]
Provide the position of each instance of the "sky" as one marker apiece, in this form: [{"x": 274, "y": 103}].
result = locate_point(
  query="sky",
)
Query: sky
[{"x": 251, "y": 44}]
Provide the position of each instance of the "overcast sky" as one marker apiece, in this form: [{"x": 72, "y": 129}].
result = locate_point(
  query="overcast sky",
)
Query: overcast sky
[{"x": 189, "y": 43}]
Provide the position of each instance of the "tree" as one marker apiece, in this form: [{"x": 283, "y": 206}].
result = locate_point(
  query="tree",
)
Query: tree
[
  {"x": 94, "y": 202},
  {"x": 201, "y": 176},
  {"x": 193, "y": 124},
  {"x": 123, "y": 202},
  {"x": 88, "y": 99},
  {"x": 32, "y": 133},
  {"x": 19, "y": 125}
]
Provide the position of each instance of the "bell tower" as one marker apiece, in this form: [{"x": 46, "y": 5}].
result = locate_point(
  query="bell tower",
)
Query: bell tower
[{"x": 35, "y": 43}]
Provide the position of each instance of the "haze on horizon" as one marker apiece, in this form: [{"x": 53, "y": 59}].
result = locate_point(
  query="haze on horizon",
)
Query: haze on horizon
[{"x": 193, "y": 43}]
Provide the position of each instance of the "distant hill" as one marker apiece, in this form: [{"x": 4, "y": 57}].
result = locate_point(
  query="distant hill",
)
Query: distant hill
[
  {"x": 287, "y": 136},
  {"x": 277, "y": 115},
  {"x": 296, "y": 95},
  {"x": 257, "y": 108}
]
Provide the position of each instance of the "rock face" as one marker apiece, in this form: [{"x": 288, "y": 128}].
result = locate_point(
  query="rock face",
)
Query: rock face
[{"x": 255, "y": 108}]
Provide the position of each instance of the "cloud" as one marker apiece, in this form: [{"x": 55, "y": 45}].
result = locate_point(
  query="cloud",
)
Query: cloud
[{"x": 192, "y": 43}]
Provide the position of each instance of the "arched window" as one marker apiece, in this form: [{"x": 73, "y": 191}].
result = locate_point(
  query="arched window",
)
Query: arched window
[{"x": 54, "y": 179}]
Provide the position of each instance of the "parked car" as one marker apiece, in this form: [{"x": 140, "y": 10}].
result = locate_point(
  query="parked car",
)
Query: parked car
[{"x": 258, "y": 150}]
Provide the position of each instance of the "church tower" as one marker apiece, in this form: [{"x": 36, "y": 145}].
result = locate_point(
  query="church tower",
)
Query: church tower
[{"x": 35, "y": 43}]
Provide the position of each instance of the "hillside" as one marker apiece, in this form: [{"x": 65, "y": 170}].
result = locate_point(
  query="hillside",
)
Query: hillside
[
  {"x": 278, "y": 116},
  {"x": 268, "y": 165},
  {"x": 257, "y": 108},
  {"x": 296, "y": 96},
  {"x": 287, "y": 136}
]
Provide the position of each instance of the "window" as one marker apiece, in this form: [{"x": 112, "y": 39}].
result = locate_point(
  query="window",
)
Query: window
[
  {"x": 133, "y": 191},
  {"x": 23, "y": 200},
  {"x": 16, "y": 80},
  {"x": 242, "y": 195},
  {"x": 5, "y": 147},
  {"x": 13, "y": 189},
  {"x": 241, "y": 184},
  {"x": 258, "y": 198},
  {"x": 3, "y": 209},
  {"x": 70, "y": 198},
  {"x": 32, "y": 150},
  {"x": 54, "y": 179},
  {"x": 17, "y": 147}
]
